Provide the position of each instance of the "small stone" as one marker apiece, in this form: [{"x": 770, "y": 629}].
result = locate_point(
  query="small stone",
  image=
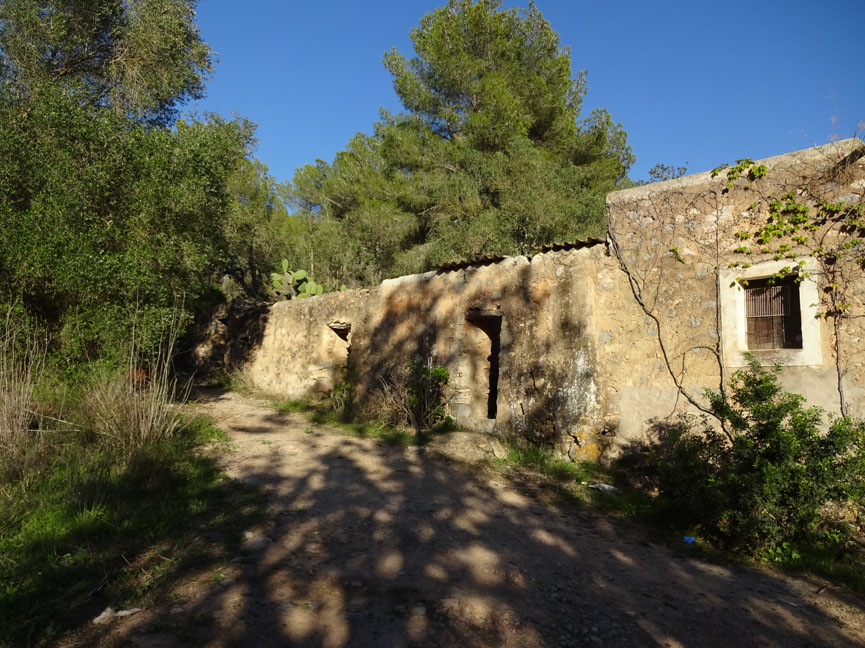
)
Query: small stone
[
  {"x": 595, "y": 639},
  {"x": 499, "y": 451},
  {"x": 418, "y": 610},
  {"x": 256, "y": 543},
  {"x": 313, "y": 605},
  {"x": 449, "y": 604},
  {"x": 106, "y": 616}
]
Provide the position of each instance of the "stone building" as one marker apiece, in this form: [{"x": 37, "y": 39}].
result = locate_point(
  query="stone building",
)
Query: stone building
[{"x": 589, "y": 344}]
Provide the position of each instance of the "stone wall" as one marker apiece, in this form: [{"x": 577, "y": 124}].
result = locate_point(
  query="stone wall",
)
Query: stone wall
[
  {"x": 677, "y": 241},
  {"x": 590, "y": 345},
  {"x": 518, "y": 337}
]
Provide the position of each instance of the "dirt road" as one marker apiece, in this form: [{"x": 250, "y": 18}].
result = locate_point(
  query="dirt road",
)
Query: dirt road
[{"x": 377, "y": 545}]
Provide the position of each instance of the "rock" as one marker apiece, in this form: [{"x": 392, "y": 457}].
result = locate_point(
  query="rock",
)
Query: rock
[
  {"x": 255, "y": 543},
  {"x": 418, "y": 610},
  {"x": 499, "y": 451},
  {"x": 449, "y": 605}
]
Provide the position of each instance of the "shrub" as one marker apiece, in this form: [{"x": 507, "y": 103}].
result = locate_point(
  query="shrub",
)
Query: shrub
[
  {"x": 412, "y": 397},
  {"x": 762, "y": 486},
  {"x": 342, "y": 400}
]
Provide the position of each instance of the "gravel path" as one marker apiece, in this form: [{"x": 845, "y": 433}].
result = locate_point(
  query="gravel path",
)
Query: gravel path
[{"x": 375, "y": 545}]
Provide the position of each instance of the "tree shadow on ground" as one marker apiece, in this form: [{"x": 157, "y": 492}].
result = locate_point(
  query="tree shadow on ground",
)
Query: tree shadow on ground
[{"x": 383, "y": 546}]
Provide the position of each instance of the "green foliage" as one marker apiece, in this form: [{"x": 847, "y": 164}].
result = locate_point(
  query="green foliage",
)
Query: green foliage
[
  {"x": 661, "y": 172},
  {"x": 112, "y": 214},
  {"x": 425, "y": 385},
  {"x": 489, "y": 75},
  {"x": 104, "y": 498},
  {"x": 489, "y": 159},
  {"x": 764, "y": 490},
  {"x": 803, "y": 222},
  {"x": 254, "y": 228},
  {"x": 140, "y": 58},
  {"x": 337, "y": 413},
  {"x": 744, "y": 167}
]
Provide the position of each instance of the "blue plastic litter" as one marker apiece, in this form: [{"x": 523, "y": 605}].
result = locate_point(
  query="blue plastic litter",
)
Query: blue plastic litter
[{"x": 689, "y": 540}]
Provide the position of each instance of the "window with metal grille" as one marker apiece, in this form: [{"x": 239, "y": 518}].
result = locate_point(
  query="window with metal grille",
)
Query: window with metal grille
[{"x": 773, "y": 314}]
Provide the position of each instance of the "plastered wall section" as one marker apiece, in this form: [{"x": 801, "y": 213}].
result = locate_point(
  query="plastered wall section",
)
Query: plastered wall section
[
  {"x": 677, "y": 243},
  {"x": 549, "y": 386},
  {"x": 546, "y": 382},
  {"x": 301, "y": 352}
]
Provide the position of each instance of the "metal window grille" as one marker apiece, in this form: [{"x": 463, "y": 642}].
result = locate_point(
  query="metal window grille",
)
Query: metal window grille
[{"x": 773, "y": 314}]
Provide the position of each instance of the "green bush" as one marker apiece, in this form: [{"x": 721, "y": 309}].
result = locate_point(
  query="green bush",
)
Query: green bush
[
  {"x": 425, "y": 385},
  {"x": 412, "y": 396},
  {"x": 763, "y": 486}
]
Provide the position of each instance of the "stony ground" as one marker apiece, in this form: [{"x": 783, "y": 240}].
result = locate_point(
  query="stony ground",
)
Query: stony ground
[{"x": 376, "y": 545}]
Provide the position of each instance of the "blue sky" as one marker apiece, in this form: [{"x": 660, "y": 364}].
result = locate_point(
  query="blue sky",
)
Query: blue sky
[{"x": 696, "y": 83}]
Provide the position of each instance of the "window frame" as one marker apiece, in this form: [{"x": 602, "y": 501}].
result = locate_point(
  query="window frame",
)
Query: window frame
[
  {"x": 734, "y": 326},
  {"x": 779, "y": 324}
]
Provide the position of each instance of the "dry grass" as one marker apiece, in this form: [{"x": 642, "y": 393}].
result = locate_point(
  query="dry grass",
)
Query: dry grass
[
  {"x": 21, "y": 365},
  {"x": 138, "y": 404},
  {"x": 391, "y": 402}
]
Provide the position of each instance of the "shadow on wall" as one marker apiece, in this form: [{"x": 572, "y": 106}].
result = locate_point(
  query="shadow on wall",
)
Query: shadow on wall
[
  {"x": 514, "y": 341},
  {"x": 551, "y": 375},
  {"x": 226, "y": 335},
  {"x": 416, "y": 322},
  {"x": 376, "y": 546}
]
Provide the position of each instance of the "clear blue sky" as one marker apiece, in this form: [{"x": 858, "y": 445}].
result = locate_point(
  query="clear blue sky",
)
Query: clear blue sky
[{"x": 691, "y": 82}]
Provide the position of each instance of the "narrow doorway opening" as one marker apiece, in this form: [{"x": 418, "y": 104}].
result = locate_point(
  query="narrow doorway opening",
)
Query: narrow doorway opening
[{"x": 483, "y": 344}]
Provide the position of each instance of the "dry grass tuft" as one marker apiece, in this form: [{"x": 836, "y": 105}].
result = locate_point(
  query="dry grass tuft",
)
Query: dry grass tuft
[
  {"x": 138, "y": 404},
  {"x": 21, "y": 365}
]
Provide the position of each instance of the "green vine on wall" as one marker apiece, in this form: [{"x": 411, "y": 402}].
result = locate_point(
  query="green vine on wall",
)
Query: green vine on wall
[
  {"x": 805, "y": 224},
  {"x": 744, "y": 167}
]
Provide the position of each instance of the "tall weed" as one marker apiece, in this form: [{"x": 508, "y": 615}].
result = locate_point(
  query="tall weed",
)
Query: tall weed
[
  {"x": 135, "y": 405},
  {"x": 21, "y": 365},
  {"x": 413, "y": 396}
]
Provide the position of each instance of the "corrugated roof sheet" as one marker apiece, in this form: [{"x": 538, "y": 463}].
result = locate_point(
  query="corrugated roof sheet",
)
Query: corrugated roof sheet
[
  {"x": 468, "y": 263},
  {"x": 488, "y": 260},
  {"x": 572, "y": 245}
]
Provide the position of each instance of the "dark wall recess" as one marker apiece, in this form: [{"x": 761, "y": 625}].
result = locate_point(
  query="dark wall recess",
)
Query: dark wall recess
[{"x": 490, "y": 322}]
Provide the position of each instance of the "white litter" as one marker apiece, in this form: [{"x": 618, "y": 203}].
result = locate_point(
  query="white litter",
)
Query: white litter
[
  {"x": 108, "y": 615},
  {"x": 604, "y": 487}
]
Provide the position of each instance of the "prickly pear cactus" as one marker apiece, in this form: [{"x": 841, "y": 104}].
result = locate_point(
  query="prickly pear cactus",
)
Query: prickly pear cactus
[{"x": 287, "y": 284}]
